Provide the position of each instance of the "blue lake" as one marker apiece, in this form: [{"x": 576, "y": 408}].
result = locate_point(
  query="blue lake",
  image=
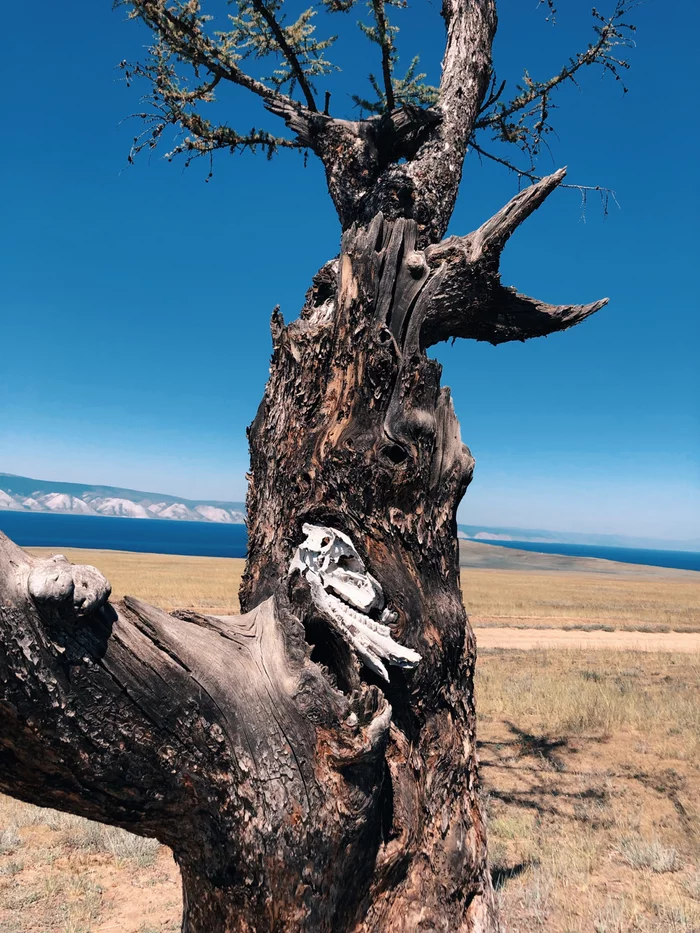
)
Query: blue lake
[
  {"x": 207, "y": 539},
  {"x": 679, "y": 560}
]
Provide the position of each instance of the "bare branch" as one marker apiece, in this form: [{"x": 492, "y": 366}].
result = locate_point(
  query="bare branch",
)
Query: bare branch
[
  {"x": 492, "y": 236},
  {"x": 504, "y": 315},
  {"x": 466, "y": 296},
  {"x": 605, "y": 193},
  {"x": 521, "y": 317}
]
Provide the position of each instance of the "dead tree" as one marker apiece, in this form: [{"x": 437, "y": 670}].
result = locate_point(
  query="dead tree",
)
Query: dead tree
[{"x": 312, "y": 763}]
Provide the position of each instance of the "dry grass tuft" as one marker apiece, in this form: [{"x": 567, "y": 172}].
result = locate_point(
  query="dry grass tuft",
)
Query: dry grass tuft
[
  {"x": 639, "y": 853},
  {"x": 579, "y": 692},
  {"x": 62, "y": 874},
  {"x": 9, "y": 841}
]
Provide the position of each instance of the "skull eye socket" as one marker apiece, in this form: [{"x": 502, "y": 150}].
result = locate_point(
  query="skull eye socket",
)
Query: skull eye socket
[
  {"x": 345, "y": 562},
  {"x": 326, "y": 541}
]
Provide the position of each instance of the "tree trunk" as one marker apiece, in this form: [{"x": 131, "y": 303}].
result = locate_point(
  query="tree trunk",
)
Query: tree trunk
[
  {"x": 300, "y": 790},
  {"x": 355, "y": 433}
]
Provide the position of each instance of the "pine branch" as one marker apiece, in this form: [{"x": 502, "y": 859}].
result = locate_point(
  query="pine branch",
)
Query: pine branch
[
  {"x": 204, "y": 138},
  {"x": 180, "y": 27},
  {"x": 385, "y": 41},
  {"x": 287, "y": 51},
  {"x": 524, "y": 121},
  {"x": 182, "y": 40}
]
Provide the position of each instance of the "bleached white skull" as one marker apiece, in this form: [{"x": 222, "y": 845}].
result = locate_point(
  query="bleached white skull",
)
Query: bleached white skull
[
  {"x": 328, "y": 557},
  {"x": 346, "y": 593}
]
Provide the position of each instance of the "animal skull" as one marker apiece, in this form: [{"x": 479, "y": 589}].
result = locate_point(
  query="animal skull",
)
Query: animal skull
[{"x": 346, "y": 593}]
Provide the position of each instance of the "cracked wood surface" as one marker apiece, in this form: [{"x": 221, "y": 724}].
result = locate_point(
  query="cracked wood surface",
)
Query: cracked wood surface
[
  {"x": 380, "y": 457},
  {"x": 220, "y": 738}
]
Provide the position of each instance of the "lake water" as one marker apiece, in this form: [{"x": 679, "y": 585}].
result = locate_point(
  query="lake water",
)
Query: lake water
[
  {"x": 208, "y": 539},
  {"x": 680, "y": 560}
]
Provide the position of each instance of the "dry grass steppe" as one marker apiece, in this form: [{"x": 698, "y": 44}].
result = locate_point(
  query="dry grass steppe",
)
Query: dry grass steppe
[
  {"x": 590, "y": 762},
  {"x": 628, "y": 597},
  {"x": 591, "y": 775}
]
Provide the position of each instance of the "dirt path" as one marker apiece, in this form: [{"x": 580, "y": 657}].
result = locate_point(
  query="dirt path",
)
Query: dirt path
[
  {"x": 530, "y": 638},
  {"x": 524, "y": 639}
]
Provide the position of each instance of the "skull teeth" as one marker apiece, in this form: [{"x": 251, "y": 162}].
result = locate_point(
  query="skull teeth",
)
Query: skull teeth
[{"x": 369, "y": 639}]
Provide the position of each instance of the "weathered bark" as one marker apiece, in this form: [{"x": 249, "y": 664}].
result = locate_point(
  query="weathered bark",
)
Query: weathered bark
[
  {"x": 298, "y": 791},
  {"x": 223, "y": 740},
  {"x": 356, "y": 433},
  {"x": 408, "y": 163}
]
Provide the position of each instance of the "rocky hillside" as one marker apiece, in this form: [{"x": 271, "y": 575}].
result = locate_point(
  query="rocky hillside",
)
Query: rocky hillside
[{"x": 23, "y": 494}]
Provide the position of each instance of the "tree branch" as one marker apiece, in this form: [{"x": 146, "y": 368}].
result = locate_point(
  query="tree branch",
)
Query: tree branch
[
  {"x": 220, "y": 738},
  {"x": 466, "y": 65},
  {"x": 501, "y": 316},
  {"x": 185, "y": 36},
  {"x": 466, "y": 297},
  {"x": 205, "y": 138},
  {"x": 530, "y": 107},
  {"x": 492, "y": 236},
  {"x": 287, "y": 51},
  {"x": 436, "y": 170},
  {"x": 384, "y": 38},
  {"x": 605, "y": 193},
  {"x": 125, "y": 714},
  {"x": 77, "y": 709}
]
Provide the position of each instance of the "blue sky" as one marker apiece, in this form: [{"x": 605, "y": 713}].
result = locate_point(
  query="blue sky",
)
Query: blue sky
[{"x": 136, "y": 300}]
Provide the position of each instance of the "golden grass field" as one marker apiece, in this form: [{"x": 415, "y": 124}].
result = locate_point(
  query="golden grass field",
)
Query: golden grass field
[
  {"x": 590, "y": 767},
  {"x": 661, "y": 603}
]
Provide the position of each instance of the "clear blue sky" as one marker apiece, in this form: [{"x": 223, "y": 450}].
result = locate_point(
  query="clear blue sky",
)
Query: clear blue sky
[{"x": 136, "y": 300}]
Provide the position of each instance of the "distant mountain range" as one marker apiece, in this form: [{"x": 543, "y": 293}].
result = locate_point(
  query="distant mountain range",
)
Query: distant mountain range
[
  {"x": 22, "y": 494},
  {"x": 541, "y": 536}
]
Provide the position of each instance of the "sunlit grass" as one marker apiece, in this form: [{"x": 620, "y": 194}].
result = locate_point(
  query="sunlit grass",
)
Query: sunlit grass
[
  {"x": 580, "y": 599},
  {"x": 500, "y": 597}
]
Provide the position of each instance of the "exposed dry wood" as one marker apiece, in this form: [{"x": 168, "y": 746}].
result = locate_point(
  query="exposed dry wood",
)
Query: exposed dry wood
[
  {"x": 467, "y": 297},
  {"x": 219, "y": 738},
  {"x": 380, "y": 457},
  {"x": 488, "y": 241}
]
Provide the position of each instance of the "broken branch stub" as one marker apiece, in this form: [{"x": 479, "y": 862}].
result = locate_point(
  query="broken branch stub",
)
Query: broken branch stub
[{"x": 57, "y": 583}]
